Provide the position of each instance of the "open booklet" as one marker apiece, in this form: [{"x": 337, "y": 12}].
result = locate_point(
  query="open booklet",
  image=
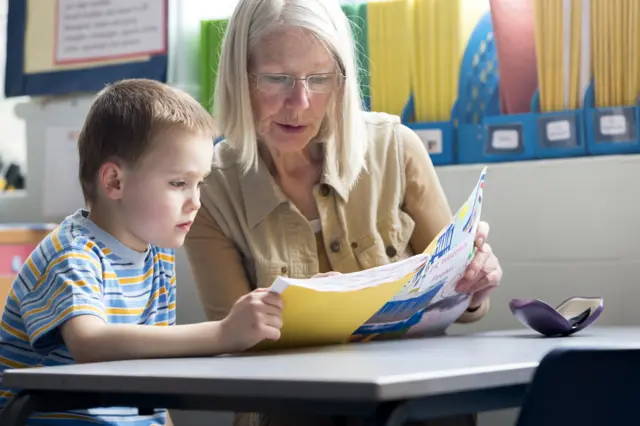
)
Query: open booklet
[{"x": 414, "y": 296}]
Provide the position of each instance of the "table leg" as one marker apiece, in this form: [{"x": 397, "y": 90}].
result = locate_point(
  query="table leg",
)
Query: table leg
[{"x": 18, "y": 410}]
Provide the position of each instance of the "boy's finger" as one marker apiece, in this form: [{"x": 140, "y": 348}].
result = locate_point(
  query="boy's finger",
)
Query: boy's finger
[
  {"x": 270, "y": 333},
  {"x": 272, "y": 299},
  {"x": 273, "y": 321},
  {"x": 271, "y": 310}
]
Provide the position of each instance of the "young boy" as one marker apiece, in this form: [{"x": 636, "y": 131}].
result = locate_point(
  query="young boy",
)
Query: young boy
[{"x": 102, "y": 285}]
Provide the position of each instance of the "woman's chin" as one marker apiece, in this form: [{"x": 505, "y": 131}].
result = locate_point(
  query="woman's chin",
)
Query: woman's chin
[{"x": 290, "y": 143}]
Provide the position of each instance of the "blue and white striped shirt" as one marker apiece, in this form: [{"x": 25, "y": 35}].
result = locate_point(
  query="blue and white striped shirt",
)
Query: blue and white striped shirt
[{"x": 79, "y": 269}]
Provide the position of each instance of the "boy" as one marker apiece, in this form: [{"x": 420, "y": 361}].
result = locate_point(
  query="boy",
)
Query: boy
[{"x": 102, "y": 285}]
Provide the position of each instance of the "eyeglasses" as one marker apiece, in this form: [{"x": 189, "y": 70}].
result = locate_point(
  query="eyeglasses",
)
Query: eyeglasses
[{"x": 278, "y": 84}]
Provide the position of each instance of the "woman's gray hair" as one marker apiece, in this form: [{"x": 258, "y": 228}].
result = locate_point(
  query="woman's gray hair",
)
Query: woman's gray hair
[{"x": 344, "y": 130}]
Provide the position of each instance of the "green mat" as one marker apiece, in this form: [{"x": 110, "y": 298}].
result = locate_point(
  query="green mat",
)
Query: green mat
[
  {"x": 357, "y": 15},
  {"x": 211, "y": 35}
]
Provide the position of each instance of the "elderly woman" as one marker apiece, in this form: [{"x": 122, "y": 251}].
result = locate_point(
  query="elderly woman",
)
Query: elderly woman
[{"x": 306, "y": 182}]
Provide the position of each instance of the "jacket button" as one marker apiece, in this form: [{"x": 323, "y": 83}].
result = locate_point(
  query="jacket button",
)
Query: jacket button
[
  {"x": 283, "y": 269},
  {"x": 391, "y": 251},
  {"x": 325, "y": 190},
  {"x": 335, "y": 246}
]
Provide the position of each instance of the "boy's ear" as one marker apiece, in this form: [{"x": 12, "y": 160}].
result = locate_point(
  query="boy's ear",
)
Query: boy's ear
[{"x": 110, "y": 180}]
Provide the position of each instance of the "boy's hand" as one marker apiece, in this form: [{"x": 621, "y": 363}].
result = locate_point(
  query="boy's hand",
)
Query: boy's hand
[{"x": 255, "y": 317}]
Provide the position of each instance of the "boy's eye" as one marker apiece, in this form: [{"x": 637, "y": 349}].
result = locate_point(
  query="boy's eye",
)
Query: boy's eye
[{"x": 182, "y": 184}]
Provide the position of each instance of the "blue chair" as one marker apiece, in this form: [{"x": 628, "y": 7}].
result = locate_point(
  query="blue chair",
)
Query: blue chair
[{"x": 584, "y": 387}]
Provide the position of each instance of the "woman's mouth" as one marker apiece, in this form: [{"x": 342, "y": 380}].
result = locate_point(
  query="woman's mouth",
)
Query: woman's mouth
[{"x": 290, "y": 128}]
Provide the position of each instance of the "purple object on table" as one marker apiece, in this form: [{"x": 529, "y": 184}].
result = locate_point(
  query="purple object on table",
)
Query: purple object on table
[{"x": 571, "y": 316}]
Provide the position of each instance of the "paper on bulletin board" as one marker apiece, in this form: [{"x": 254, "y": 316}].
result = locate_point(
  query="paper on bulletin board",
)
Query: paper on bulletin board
[
  {"x": 61, "y": 192},
  {"x": 95, "y": 33}
]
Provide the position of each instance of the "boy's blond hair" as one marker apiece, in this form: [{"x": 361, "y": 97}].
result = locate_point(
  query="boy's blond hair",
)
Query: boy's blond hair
[{"x": 124, "y": 120}]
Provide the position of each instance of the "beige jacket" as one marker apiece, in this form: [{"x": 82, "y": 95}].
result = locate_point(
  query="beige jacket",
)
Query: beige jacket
[{"x": 247, "y": 232}]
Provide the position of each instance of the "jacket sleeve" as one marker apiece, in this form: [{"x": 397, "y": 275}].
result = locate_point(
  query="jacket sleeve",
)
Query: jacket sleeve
[{"x": 217, "y": 266}]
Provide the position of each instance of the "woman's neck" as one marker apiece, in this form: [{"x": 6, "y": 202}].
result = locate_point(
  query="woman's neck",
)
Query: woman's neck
[
  {"x": 304, "y": 165},
  {"x": 296, "y": 174}
]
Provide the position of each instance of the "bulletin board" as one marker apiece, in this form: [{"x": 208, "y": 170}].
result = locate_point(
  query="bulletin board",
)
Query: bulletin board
[{"x": 57, "y": 47}]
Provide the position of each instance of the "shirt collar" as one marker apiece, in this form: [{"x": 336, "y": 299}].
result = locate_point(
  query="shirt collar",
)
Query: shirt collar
[
  {"x": 136, "y": 258},
  {"x": 262, "y": 195},
  {"x": 337, "y": 184}
]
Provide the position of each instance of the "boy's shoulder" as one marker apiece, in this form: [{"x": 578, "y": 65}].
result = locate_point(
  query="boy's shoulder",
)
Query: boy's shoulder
[
  {"x": 164, "y": 252},
  {"x": 77, "y": 241},
  {"x": 71, "y": 236},
  {"x": 69, "y": 247},
  {"x": 79, "y": 238},
  {"x": 70, "y": 242},
  {"x": 164, "y": 256}
]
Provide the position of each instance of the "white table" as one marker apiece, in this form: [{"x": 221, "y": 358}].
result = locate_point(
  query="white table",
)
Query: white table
[{"x": 385, "y": 382}]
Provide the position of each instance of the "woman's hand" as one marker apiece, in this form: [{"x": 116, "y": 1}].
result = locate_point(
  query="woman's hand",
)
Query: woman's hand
[{"x": 484, "y": 273}]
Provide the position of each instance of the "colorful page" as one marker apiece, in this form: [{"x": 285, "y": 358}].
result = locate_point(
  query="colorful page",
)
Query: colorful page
[{"x": 429, "y": 303}]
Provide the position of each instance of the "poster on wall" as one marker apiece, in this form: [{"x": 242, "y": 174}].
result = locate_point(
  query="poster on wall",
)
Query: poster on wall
[
  {"x": 70, "y": 46},
  {"x": 92, "y": 32}
]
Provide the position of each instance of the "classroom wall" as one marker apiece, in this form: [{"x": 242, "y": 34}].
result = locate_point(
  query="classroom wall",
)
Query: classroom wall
[{"x": 561, "y": 229}]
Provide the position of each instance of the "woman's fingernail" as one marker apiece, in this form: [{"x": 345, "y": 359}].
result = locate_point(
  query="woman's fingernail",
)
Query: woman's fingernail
[{"x": 470, "y": 275}]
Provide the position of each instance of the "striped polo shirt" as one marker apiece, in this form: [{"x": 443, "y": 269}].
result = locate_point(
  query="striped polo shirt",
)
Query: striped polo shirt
[{"x": 80, "y": 269}]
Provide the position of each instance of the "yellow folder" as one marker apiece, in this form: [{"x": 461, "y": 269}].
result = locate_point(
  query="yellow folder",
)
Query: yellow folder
[
  {"x": 563, "y": 58},
  {"x": 440, "y": 33},
  {"x": 388, "y": 37},
  {"x": 615, "y": 40},
  {"x": 314, "y": 316}
]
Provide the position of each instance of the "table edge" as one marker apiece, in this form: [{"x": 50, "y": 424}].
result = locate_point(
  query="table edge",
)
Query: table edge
[{"x": 384, "y": 389}]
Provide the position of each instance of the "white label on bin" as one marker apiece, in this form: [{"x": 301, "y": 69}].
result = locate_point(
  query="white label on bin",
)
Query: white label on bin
[
  {"x": 558, "y": 131},
  {"x": 432, "y": 139},
  {"x": 613, "y": 125},
  {"x": 505, "y": 139}
]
